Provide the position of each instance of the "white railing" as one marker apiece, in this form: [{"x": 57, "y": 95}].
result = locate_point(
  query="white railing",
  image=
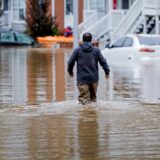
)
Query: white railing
[
  {"x": 87, "y": 22},
  {"x": 109, "y": 22},
  {"x": 128, "y": 19},
  {"x": 117, "y": 16},
  {"x": 105, "y": 24},
  {"x": 139, "y": 21},
  {"x": 102, "y": 26},
  {"x": 88, "y": 13}
]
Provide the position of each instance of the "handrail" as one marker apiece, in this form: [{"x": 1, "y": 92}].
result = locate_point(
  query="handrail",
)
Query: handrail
[
  {"x": 97, "y": 27},
  {"x": 128, "y": 20},
  {"x": 139, "y": 21},
  {"x": 109, "y": 22},
  {"x": 90, "y": 20},
  {"x": 105, "y": 24}
]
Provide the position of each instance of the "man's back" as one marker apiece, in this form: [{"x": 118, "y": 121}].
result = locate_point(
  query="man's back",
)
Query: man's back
[{"x": 87, "y": 57}]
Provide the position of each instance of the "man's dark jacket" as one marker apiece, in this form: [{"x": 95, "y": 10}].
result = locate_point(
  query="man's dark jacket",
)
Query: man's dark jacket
[{"x": 87, "y": 57}]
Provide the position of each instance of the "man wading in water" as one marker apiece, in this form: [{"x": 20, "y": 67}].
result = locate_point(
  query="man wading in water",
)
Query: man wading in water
[{"x": 87, "y": 57}]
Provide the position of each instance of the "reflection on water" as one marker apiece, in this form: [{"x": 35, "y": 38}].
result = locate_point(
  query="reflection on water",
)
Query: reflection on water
[{"x": 34, "y": 75}]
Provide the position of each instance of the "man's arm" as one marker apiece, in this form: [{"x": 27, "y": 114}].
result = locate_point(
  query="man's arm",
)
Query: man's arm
[
  {"x": 71, "y": 62},
  {"x": 103, "y": 63}
]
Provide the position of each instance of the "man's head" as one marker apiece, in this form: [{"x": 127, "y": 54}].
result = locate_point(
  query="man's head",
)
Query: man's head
[{"x": 87, "y": 37}]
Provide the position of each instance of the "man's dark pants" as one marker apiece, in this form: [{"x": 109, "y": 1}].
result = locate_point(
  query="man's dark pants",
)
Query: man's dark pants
[{"x": 87, "y": 92}]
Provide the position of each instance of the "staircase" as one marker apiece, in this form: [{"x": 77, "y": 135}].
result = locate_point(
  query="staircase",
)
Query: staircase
[
  {"x": 101, "y": 27},
  {"x": 142, "y": 17}
]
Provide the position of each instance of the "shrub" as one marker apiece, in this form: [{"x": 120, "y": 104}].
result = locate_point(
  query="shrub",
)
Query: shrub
[{"x": 39, "y": 18}]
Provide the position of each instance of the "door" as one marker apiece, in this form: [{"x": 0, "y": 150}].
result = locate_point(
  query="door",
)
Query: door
[
  {"x": 125, "y": 4},
  {"x": 6, "y": 4}
]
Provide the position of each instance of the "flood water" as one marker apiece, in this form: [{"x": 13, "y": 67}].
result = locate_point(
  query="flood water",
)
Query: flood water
[{"x": 40, "y": 117}]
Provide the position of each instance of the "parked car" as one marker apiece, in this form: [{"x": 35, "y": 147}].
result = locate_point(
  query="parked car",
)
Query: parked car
[
  {"x": 133, "y": 48},
  {"x": 135, "y": 58},
  {"x": 16, "y": 38}
]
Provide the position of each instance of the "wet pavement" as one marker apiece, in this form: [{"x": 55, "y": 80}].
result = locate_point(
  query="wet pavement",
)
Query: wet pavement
[{"x": 40, "y": 117}]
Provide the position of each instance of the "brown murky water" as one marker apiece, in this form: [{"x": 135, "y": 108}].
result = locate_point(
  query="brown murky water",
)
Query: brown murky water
[{"x": 40, "y": 117}]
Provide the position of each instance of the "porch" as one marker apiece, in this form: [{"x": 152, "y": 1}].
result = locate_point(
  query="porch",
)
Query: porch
[{"x": 132, "y": 17}]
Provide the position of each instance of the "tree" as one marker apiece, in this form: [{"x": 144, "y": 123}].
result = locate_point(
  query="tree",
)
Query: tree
[{"x": 39, "y": 19}]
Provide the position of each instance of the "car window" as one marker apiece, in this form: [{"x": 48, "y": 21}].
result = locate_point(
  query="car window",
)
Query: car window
[
  {"x": 119, "y": 43},
  {"x": 128, "y": 42},
  {"x": 149, "y": 40},
  {"x": 23, "y": 38},
  {"x": 7, "y": 37}
]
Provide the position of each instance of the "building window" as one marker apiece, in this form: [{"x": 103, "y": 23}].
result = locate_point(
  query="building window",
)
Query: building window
[
  {"x": 19, "y": 10},
  {"x": 69, "y": 7},
  {"x": 125, "y": 4},
  {"x": 6, "y": 5}
]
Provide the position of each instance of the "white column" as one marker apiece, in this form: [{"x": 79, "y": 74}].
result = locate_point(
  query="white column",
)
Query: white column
[
  {"x": 53, "y": 8},
  {"x": 157, "y": 25},
  {"x": 110, "y": 5},
  {"x": 75, "y": 24}
]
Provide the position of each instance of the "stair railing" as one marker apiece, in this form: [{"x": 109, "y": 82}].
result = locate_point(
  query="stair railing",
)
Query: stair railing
[
  {"x": 105, "y": 24},
  {"x": 89, "y": 21},
  {"x": 139, "y": 20},
  {"x": 128, "y": 19}
]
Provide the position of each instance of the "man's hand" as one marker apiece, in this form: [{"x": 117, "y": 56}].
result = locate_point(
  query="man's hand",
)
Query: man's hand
[{"x": 107, "y": 76}]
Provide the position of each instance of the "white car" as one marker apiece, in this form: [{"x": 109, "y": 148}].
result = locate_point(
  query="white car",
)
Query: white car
[
  {"x": 132, "y": 48},
  {"x": 136, "y": 58}
]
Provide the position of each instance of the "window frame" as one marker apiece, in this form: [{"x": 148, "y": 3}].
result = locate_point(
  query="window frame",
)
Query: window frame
[
  {"x": 16, "y": 11},
  {"x": 66, "y": 3}
]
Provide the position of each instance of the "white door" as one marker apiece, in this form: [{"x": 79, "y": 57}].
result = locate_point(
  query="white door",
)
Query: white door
[{"x": 6, "y": 5}]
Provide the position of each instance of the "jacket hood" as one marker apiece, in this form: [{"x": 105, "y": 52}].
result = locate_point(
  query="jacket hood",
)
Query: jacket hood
[{"x": 87, "y": 46}]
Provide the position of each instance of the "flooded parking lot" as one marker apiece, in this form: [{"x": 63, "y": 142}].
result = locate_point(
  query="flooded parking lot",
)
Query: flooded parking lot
[{"x": 40, "y": 117}]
